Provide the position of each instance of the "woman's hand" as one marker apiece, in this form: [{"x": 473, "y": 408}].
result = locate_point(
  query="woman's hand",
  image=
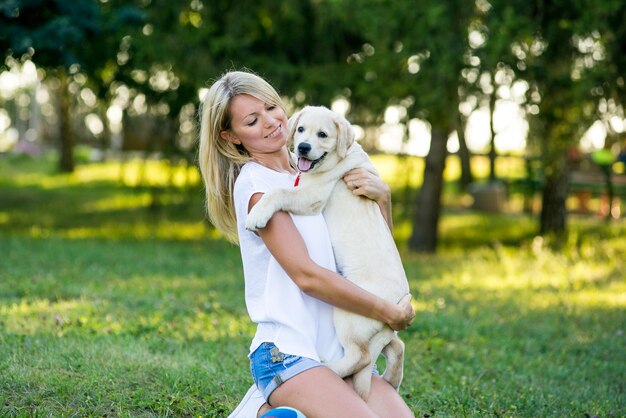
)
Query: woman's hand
[
  {"x": 367, "y": 184},
  {"x": 403, "y": 315}
]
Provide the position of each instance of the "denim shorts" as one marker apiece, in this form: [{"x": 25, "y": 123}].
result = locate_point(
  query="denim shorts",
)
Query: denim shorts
[{"x": 270, "y": 368}]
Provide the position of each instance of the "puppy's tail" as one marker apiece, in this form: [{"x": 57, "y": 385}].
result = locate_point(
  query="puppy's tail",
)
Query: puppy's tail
[{"x": 394, "y": 353}]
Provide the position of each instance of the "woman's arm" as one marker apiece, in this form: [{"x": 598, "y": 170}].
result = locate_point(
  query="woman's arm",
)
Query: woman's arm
[
  {"x": 284, "y": 241},
  {"x": 367, "y": 184}
]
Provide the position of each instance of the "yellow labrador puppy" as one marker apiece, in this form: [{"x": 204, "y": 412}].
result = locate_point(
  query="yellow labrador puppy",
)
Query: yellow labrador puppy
[{"x": 364, "y": 248}]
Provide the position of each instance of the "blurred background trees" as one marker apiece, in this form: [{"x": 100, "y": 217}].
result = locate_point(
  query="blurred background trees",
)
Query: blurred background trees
[
  {"x": 122, "y": 75},
  {"x": 65, "y": 40}
]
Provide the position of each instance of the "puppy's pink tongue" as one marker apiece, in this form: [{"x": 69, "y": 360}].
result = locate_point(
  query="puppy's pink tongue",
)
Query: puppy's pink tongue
[{"x": 304, "y": 164}]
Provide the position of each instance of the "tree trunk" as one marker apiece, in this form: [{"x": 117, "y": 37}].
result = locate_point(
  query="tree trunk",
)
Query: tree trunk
[
  {"x": 492, "y": 144},
  {"x": 66, "y": 144},
  {"x": 464, "y": 153},
  {"x": 426, "y": 222},
  {"x": 553, "y": 218}
]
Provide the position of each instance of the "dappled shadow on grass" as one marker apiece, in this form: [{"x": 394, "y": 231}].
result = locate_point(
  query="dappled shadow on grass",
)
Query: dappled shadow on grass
[
  {"x": 187, "y": 288},
  {"x": 62, "y": 268},
  {"x": 107, "y": 211},
  {"x": 106, "y": 303},
  {"x": 470, "y": 229},
  {"x": 94, "y": 202},
  {"x": 159, "y": 319},
  {"x": 500, "y": 330},
  {"x": 465, "y": 230},
  {"x": 81, "y": 375},
  {"x": 517, "y": 362},
  {"x": 146, "y": 327},
  {"x": 524, "y": 332}
]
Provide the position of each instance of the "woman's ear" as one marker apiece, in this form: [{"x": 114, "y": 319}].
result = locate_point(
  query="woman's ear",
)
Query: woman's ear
[{"x": 227, "y": 135}]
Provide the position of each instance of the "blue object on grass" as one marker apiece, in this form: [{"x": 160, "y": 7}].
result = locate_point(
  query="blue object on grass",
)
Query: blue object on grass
[{"x": 283, "y": 412}]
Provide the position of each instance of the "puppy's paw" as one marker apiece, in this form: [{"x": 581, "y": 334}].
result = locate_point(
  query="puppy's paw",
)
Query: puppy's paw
[{"x": 257, "y": 218}]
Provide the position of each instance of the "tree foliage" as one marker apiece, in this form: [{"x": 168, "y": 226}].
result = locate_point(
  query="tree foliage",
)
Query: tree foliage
[
  {"x": 426, "y": 57},
  {"x": 562, "y": 56}
]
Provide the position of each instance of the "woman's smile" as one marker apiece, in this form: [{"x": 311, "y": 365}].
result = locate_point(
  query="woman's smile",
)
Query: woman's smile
[{"x": 275, "y": 132}]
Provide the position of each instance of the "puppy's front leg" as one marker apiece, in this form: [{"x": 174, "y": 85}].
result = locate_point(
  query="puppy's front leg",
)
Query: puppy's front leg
[{"x": 301, "y": 201}]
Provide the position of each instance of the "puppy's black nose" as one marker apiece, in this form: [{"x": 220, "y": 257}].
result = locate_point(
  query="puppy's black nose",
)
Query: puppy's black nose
[{"x": 303, "y": 149}]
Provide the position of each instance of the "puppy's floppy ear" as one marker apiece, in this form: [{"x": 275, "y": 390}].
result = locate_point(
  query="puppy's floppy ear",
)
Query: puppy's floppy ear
[
  {"x": 345, "y": 135},
  {"x": 292, "y": 123}
]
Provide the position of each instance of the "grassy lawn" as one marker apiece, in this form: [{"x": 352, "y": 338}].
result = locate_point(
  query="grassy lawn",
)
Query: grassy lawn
[{"x": 119, "y": 300}]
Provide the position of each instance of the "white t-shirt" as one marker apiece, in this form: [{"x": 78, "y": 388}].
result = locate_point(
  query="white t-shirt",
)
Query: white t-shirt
[{"x": 297, "y": 323}]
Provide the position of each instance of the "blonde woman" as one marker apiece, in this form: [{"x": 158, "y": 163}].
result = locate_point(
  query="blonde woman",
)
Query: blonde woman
[{"x": 291, "y": 283}]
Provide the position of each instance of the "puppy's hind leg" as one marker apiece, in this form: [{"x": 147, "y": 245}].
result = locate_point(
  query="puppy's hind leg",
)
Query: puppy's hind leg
[
  {"x": 356, "y": 356},
  {"x": 394, "y": 354},
  {"x": 362, "y": 381}
]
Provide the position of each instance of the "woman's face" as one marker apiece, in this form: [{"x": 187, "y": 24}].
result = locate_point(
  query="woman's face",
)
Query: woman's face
[{"x": 260, "y": 127}]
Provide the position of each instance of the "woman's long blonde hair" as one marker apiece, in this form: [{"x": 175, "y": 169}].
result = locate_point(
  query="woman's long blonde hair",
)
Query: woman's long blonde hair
[{"x": 220, "y": 160}]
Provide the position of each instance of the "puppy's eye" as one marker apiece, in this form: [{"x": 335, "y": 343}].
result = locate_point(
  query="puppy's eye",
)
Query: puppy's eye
[
  {"x": 300, "y": 129},
  {"x": 322, "y": 134}
]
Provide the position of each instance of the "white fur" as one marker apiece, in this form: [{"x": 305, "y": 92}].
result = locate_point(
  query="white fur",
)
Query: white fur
[{"x": 364, "y": 248}]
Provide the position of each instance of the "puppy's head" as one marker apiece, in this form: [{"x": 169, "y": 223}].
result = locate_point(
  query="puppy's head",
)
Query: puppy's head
[{"x": 320, "y": 137}]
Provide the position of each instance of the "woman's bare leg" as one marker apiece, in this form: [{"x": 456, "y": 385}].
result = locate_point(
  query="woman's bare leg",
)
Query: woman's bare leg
[
  {"x": 327, "y": 393},
  {"x": 319, "y": 392},
  {"x": 385, "y": 401}
]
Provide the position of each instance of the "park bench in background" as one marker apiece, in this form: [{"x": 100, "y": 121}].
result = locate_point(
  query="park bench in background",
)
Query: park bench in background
[
  {"x": 588, "y": 179},
  {"x": 605, "y": 183}
]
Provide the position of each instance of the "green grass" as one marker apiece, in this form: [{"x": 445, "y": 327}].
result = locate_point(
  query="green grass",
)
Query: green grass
[{"x": 113, "y": 303}]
